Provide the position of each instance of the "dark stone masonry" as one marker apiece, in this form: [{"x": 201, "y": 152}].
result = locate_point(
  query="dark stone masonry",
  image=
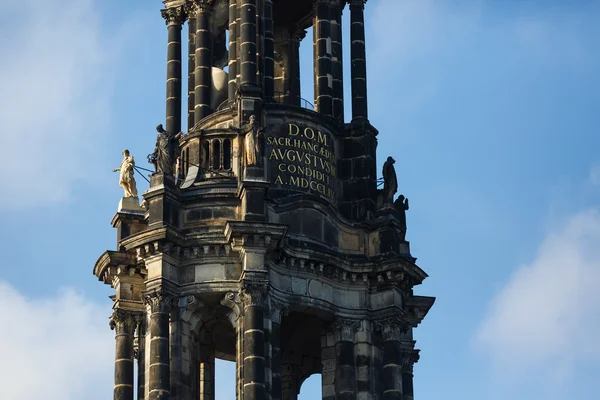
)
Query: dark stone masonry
[{"x": 265, "y": 240}]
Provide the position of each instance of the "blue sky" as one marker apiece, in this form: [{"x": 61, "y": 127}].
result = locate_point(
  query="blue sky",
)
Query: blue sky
[{"x": 489, "y": 107}]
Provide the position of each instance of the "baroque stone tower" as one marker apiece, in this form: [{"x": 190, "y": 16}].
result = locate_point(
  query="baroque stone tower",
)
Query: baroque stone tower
[{"x": 263, "y": 238}]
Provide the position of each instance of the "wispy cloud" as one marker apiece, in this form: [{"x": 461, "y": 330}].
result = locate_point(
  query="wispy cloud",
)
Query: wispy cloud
[
  {"x": 54, "y": 348},
  {"x": 546, "y": 317},
  {"x": 55, "y": 83}
]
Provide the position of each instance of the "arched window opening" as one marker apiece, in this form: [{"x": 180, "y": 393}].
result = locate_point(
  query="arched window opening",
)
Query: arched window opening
[
  {"x": 216, "y": 154},
  {"x": 227, "y": 154}
]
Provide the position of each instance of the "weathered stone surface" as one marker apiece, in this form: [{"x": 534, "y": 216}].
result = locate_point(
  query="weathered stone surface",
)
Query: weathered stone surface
[{"x": 275, "y": 250}]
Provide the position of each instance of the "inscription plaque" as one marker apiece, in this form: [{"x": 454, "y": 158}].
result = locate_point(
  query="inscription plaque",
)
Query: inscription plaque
[{"x": 301, "y": 158}]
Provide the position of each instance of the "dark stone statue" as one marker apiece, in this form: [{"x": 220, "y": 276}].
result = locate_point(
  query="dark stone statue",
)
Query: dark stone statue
[
  {"x": 401, "y": 205},
  {"x": 390, "y": 183},
  {"x": 165, "y": 151}
]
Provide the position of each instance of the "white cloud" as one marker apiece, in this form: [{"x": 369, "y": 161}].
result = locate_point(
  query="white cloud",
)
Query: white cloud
[
  {"x": 55, "y": 97},
  {"x": 54, "y": 348},
  {"x": 547, "y": 316}
]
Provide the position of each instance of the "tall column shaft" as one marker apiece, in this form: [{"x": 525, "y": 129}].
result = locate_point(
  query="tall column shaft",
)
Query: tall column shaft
[
  {"x": 174, "y": 18},
  {"x": 409, "y": 357},
  {"x": 141, "y": 356},
  {"x": 206, "y": 368},
  {"x": 345, "y": 372},
  {"x": 233, "y": 54},
  {"x": 322, "y": 54},
  {"x": 203, "y": 72},
  {"x": 248, "y": 42},
  {"x": 268, "y": 50},
  {"x": 274, "y": 339},
  {"x": 254, "y": 343},
  {"x": 391, "y": 330},
  {"x": 260, "y": 34},
  {"x": 337, "y": 62},
  {"x": 358, "y": 57},
  {"x": 159, "y": 372},
  {"x": 191, "y": 67},
  {"x": 123, "y": 323}
]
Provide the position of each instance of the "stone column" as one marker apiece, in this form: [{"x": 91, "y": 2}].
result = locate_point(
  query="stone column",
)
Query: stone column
[
  {"x": 253, "y": 297},
  {"x": 322, "y": 54},
  {"x": 141, "y": 357},
  {"x": 174, "y": 18},
  {"x": 345, "y": 374},
  {"x": 123, "y": 323},
  {"x": 203, "y": 72},
  {"x": 391, "y": 330},
  {"x": 337, "y": 68},
  {"x": 268, "y": 50},
  {"x": 358, "y": 57},
  {"x": 409, "y": 357},
  {"x": 248, "y": 43},
  {"x": 276, "y": 310},
  {"x": 159, "y": 372},
  {"x": 287, "y": 69},
  {"x": 260, "y": 34},
  {"x": 338, "y": 359},
  {"x": 364, "y": 361},
  {"x": 206, "y": 366},
  {"x": 233, "y": 54},
  {"x": 191, "y": 11}
]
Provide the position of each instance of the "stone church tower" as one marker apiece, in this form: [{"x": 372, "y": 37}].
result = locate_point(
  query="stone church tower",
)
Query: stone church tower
[{"x": 263, "y": 238}]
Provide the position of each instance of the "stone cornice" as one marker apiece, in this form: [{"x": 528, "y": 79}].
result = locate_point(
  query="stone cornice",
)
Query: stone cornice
[
  {"x": 417, "y": 308},
  {"x": 111, "y": 263}
]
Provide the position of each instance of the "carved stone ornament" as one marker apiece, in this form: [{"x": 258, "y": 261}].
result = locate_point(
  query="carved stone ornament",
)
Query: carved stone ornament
[
  {"x": 345, "y": 329},
  {"x": 277, "y": 310},
  {"x": 409, "y": 358},
  {"x": 124, "y": 322},
  {"x": 253, "y": 294},
  {"x": 173, "y": 15},
  {"x": 391, "y": 328},
  {"x": 160, "y": 301}
]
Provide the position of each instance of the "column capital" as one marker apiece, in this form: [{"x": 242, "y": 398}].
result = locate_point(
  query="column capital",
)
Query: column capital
[
  {"x": 254, "y": 293},
  {"x": 160, "y": 301},
  {"x": 391, "y": 328},
  {"x": 174, "y": 15},
  {"x": 277, "y": 310},
  {"x": 124, "y": 322},
  {"x": 195, "y": 6},
  {"x": 345, "y": 329},
  {"x": 409, "y": 358}
]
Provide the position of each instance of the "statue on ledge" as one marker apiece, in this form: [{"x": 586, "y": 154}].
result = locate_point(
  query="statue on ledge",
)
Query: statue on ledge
[
  {"x": 401, "y": 205},
  {"x": 251, "y": 141},
  {"x": 165, "y": 151},
  {"x": 390, "y": 183},
  {"x": 126, "y": 179}
]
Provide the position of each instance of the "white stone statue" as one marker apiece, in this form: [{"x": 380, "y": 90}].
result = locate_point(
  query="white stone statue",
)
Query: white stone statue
[
  {"x": 251, "y": 141},
  {"x": 126, "y": 179}
]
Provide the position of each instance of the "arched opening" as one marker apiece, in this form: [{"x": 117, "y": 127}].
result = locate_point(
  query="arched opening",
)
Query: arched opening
[
  {"x": 311, "y": 388},
  {"x": 227, "y": 154},
  {"x": 216, "y": 154}
]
